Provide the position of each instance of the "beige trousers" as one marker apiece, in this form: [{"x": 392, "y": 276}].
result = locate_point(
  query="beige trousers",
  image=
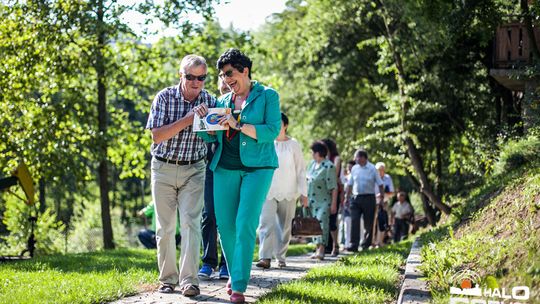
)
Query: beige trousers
[
  {"x": 178, "y": 190},
  {"x": 275, "y": 228}
]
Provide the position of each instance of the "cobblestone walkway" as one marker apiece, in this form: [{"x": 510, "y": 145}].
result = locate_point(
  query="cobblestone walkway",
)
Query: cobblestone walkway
[{"x": 214, "y": 291}]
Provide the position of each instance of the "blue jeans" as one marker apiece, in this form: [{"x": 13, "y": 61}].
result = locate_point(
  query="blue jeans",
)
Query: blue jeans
[
  {"x": 209, "y": 227},
  {"x": 148, "y": 238}
]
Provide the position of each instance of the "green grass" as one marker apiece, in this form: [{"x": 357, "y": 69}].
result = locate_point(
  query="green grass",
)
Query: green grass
[
  {"x": 77, "y": 278},
  {"x": 367, "y": 277},
  {"x": 84, "y": 278},
  {"x": 294, "y": 250},
  {"x": 495, "y": 234}
]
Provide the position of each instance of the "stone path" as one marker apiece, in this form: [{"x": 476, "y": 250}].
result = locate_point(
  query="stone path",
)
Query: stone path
[{"x": 214, "y": 291}]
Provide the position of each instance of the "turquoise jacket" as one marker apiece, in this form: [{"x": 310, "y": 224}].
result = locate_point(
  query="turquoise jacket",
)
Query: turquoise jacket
[{"x": 262, "y": 111}]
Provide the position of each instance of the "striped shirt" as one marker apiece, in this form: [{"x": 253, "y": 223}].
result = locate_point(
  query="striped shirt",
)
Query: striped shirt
[{"x": 169, "y": 106}]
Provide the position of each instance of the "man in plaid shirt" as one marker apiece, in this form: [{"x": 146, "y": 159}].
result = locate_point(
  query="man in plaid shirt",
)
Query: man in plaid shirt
[{"x": 178, "y": 173}]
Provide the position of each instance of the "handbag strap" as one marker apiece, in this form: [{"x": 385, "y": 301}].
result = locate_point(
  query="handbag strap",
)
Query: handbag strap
[
  {"x": 303, "y": 212},
  {"x": 306, "y": 212}
]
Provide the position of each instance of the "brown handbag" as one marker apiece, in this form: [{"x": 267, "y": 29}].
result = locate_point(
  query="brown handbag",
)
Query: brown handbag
[{"x": 305, "y": 226}]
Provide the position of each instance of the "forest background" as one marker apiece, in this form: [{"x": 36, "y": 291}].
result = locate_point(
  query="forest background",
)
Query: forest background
[{"x": 407, "y": 80}]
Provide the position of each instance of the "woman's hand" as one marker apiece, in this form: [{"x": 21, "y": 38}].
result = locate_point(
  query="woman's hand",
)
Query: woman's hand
[
  {"x": 304, "y": 201},
  {"x": 333, "y": 208},
  {"x": 228, "y": 120}
]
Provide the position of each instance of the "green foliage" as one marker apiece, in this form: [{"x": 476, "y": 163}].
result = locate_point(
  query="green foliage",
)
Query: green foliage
[
  {"x": 85, "y": 230},
  {"x": 48, "y": 231},
  {"x": 517, "y": 153},
  {"x": 368, "y": 277}
]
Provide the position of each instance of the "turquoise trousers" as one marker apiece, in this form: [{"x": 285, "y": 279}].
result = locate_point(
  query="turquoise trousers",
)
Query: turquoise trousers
[{"x": 238, "y": 200}]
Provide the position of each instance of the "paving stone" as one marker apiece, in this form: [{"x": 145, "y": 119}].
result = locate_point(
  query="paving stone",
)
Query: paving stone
[
  {"x": 414, "y": 290},
  {"x": 215, "y": 291}
]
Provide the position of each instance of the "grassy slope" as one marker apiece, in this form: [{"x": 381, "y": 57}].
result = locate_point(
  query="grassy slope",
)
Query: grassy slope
[
  {"x": 367, "y": 277},
  {"x": 495, "y": 232}
]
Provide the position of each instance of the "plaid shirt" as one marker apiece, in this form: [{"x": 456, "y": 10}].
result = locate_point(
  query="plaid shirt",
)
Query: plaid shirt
[{"x": 169, "y": 106}]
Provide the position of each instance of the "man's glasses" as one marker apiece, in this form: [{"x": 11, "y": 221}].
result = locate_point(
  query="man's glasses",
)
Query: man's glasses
[
  {"x": 226, "y": 74},
  {"x": 193, "y": 77}
]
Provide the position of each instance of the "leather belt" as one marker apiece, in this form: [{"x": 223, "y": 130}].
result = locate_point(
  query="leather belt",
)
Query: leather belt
[{"x": 178, "y": 162}]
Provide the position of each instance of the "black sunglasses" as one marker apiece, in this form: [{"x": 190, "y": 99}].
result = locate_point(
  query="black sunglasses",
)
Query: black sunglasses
[
  {"x": 193, "y": 77},
  {"x": 226, "y": 74}
]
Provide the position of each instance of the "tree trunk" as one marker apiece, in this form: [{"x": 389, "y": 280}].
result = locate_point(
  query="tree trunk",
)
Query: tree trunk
[
  {"x": 414, "y": 155},
  {"x": 425, "y": 186},
  {"x": 438, "y": 183},
  {"x": 527, "y": 18},
  {"x": 42, "y": 188},
  {"x": 429, "y": 211},
  {"x": 103, "y": 170}
]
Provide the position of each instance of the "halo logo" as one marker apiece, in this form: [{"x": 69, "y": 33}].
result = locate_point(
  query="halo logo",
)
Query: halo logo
[{"x": 491, "y": 294}]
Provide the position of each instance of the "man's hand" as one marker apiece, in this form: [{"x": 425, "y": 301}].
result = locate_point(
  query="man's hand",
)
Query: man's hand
[{"x": 201, "y": 109}]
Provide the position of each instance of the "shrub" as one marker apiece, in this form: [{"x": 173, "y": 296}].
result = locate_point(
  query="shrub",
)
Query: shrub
[
  {"x": 86, "y": 233},
  {"x": 516, "y": 153},
  {"x": 48, "y": 231}
]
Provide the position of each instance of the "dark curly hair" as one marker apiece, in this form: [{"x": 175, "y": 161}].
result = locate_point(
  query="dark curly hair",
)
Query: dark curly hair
[
  {"x": 319, "y": 147},
  {"x": 236, "y": 59}
]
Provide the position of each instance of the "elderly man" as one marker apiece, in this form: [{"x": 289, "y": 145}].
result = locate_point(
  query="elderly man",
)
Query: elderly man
[
  {"x": 361, "y": 184},
  {"x": 178, "y": 174},
  {"x": 387, "y": 181}
]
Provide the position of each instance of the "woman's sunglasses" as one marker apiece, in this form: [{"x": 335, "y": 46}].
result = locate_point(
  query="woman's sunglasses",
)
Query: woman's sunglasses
[
  {"x": 226, "y": 74},
  {"x": 193, "y": 77}
]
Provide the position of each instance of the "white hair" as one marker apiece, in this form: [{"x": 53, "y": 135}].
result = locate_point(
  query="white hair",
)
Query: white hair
[
  {"x": 379, "y": 165},
  {"x": 190, "y": 61}
]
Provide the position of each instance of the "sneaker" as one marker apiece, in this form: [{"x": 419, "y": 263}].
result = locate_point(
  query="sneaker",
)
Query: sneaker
[
  {"x": 223, "y": 272},
  {"x": 281, "y": 264},
  {"x": 205, "y": 272},
  {"x": 191, "y": 290}
]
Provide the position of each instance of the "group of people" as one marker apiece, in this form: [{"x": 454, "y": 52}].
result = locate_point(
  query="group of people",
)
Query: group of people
[{"x": 249, "y": 176}]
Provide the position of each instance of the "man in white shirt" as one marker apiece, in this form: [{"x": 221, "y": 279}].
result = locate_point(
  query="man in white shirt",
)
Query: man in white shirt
[
  {"x": 401, "y": 214},
  {"x": 364, "y": 179}
]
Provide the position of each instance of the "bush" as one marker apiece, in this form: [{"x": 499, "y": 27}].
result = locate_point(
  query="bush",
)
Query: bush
[
  {"x": 48, "y": 231},
  {"x": 86, "y": 233},
  {"x": 516, "y": 153}
]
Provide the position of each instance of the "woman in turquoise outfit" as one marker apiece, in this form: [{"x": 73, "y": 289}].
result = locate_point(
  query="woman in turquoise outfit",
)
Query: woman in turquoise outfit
[
  {"x": 243, "y": 164},
  {"x": 322, "y": 192}
]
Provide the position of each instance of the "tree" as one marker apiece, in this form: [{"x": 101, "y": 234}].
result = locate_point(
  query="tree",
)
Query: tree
[
  {"x": 408, "y": 80},
  {"x": 75, "y": 44}
]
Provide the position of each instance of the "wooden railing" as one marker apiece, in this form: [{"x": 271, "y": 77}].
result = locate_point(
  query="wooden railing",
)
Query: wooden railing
[{"x": 513, "y": 46}]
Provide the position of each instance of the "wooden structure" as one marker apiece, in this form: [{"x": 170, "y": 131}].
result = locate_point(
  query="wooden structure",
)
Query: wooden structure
[{"x": 513, "y": 52}]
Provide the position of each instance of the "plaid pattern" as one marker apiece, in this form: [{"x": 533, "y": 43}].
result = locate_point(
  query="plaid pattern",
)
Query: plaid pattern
[{"x": 169, "y": 106}]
